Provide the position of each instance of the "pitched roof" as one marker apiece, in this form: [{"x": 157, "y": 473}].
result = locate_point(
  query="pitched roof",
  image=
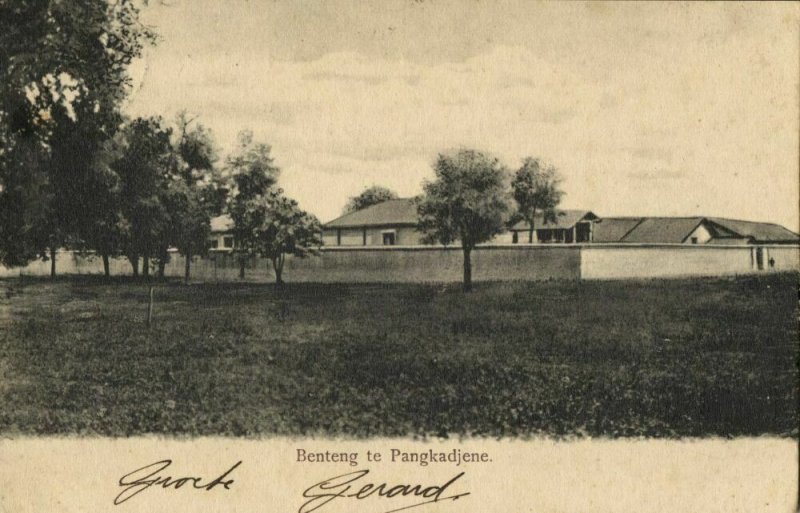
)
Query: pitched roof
[
  {"x": 613, "y": 229},
  {"x": 677, "y": 229},
  {"x": 394, "y": 212},
  {"x": 760, "y": 232},
  {"x": 222, "y": 223},
  {"x": 663, "y": 229},
  {"x": 564, "y": 219}
]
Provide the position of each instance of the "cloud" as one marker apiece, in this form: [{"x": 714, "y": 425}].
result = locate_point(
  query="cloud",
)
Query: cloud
[
  {"x": 656, "y": 174},
  {"x": 631, "y": 98}
]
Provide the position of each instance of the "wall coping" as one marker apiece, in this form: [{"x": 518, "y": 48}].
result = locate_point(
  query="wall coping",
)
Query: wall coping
[{"x": 559, "y": 246}]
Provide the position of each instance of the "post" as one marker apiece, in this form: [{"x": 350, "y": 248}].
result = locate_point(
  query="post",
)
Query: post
[
  {"x": 187, "y": 265},
  {"x": 150, "y": 309},
  {"x": 52, "y": 262}
]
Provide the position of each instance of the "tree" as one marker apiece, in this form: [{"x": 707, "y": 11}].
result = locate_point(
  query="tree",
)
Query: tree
[
  {"x": 371, "y": 196},
  {"x": 536, "y": 189},
  {"x": 276, "y": 227},
  {"x": 63, "y": 74},
  {"x": 196, "y": 192},
  {"x": 467, "y": 202},
  {"x": 144, "y": 173},
  {"x": 102, "y": 227},
  {"x": 253, "y": 174}
]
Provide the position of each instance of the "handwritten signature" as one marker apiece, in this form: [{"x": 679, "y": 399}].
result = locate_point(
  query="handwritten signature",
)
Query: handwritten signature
[
  {"x": 150, "y": 475},
  {"x": 342, "y": 486}
]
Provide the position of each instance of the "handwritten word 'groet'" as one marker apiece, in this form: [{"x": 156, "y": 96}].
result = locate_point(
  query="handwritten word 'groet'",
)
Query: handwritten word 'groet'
[
  {"x": 456, "y": 456},
  {"x": 304, "y": 456},
  {"x": 143, "y": 478}
]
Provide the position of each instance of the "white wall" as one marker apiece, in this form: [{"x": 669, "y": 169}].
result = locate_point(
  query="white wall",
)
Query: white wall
[{"x": 610, "y": 261}]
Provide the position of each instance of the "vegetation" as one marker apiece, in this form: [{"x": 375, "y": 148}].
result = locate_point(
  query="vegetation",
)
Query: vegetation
[
  {"x": 467, "y": 202},
  {"x": 668, "y": 358},
  {"x": 370, "y": 196},
  {"x": 63, "y": 76},
  {"x": 75, "y": 173},
  {"x": 272, "y": 226},
  {"x": 536, "y": 189}
]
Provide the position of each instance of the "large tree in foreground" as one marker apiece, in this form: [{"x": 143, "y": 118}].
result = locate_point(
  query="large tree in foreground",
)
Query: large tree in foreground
[
  {"x": 536, "y": 189},
  {"x": 467, "y": 202},
  {"x": 63, "y": 75},
  {"x": 370, "y": 196}
]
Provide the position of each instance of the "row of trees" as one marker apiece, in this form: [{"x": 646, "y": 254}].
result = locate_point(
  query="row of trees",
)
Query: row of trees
[{"x": 75, "y": 173}]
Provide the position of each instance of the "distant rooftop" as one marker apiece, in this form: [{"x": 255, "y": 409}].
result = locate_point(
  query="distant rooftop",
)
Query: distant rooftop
[
  {"x": 761, "y": 232},
  {"x": 565, "y": 219},
  {"x": 395, "y": 212},
  {"x": 677, "y": 229}
]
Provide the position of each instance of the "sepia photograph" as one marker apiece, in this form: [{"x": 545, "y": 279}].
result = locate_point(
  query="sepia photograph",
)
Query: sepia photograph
[{"x": 431, "y": 254}]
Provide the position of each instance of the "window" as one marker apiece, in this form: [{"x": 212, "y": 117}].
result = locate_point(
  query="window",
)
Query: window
[
  {"x": 694, "y": 240},
  {"x": 214, "y": 244},
  {"x": 388, "y": 238},
  {"x": 227, "y": 242}
]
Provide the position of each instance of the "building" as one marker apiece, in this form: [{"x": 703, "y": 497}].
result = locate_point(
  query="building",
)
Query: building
[
  {"x": 394, "y": 223},
  {"x": 689, "y": 230},
  {"x": 391, "y": 223},
  {"x": 568, "y": 226},
  {"x": 221, "y": 238}
]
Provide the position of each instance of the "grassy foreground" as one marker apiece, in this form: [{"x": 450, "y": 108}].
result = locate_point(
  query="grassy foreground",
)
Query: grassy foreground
[{"x": 655, "y": 358}]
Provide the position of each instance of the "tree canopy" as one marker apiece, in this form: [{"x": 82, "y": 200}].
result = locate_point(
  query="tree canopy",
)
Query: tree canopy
[
  {"x": 273, "y": 226},
  {"x": 467, "y": 202},
  {"x": 63, "y": 75},
  {"x": 536, "y": 189},
  {"x": 370, "y": 196}
]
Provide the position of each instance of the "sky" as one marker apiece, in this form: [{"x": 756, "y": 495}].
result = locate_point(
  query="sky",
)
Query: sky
[{"x": 645, "y": 109}]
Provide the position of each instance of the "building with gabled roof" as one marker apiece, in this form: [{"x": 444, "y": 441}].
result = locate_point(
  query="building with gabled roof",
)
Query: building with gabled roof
[
  {"x": 568, "y": 226},
  {"x": 689, "y": 230},
  {"x": 392, "y": 222}
]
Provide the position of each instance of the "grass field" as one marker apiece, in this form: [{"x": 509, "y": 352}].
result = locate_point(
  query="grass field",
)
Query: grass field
[{"x": 655, "y": 358}]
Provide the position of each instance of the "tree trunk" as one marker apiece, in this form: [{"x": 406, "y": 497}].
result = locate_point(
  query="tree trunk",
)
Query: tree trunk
[
  {"x": 162, "y": 264},
  {"x": 277, "y": 264},
  {"x": 146, "y": 265},
  {"x": 467, "y": 270},
  {"x": 241, "y": 268},
  {"x": 187, "y": 266},
  {"x": 106, "y": 265},
  {"x": 531, "y": 222},
  {"x": 52, "y": 262},
  {"x": 134, "y": 260}
]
